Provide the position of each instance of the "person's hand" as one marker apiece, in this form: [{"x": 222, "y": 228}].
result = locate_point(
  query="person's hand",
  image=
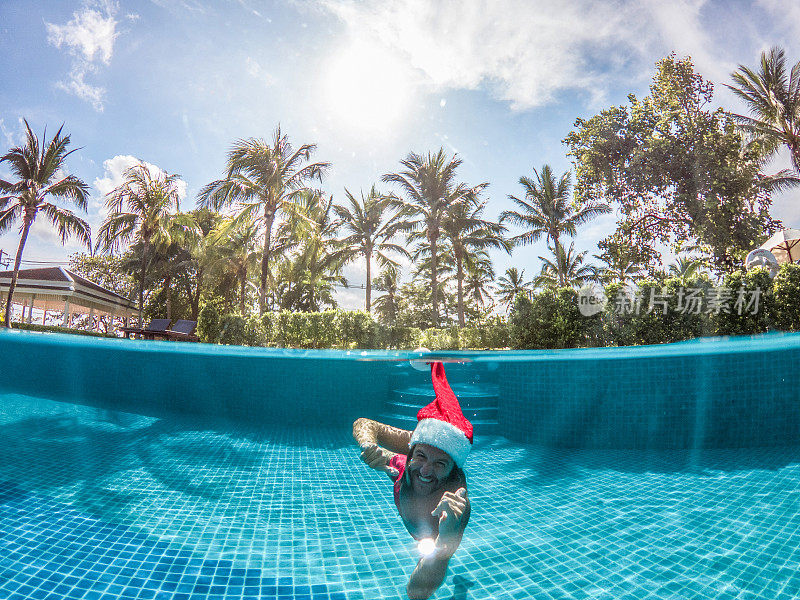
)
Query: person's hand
[
  {"x": 378, "y": 458},
  {"x": 450, "y": 510}
]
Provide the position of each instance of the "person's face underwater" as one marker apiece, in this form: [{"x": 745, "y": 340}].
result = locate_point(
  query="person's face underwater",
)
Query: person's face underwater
[{"x": 428, "y": 469}]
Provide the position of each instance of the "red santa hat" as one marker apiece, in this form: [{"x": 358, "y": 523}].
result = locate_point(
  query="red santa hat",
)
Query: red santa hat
[{"x": 441, "y": 424}]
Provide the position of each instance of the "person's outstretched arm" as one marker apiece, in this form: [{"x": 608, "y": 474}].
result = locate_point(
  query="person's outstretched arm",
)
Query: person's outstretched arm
[
  {"x": 379, "y": 443},
  {"x": 367, "y": 432}
]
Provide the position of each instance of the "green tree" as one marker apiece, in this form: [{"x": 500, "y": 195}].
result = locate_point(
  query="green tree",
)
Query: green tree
[
  {"x": 141, "y": 211},
  {"x": 430, "y": 191},
  {"x": 550, "y": 319},
  {"x": 620, "y": 261},
  {"x": 263, "y": 180},
  {"x": 675, "y": 170},
  {"x": 370, "y": 231},
  {"x": 236, "y": 250},
  {"x": 511, "y": 285},
  {"x": 684, "y": 268},
  {"x": 565, "y": 270},
  {"x": 772, "y": 95},
  {"x": 306, "y": 276},
  {"x": 386, "y": 306},
  {"x": 104, "y": 270},
  {"x": 480, "y": 274},
  {"x": 202, "y": 247},
  {"x": 38, "y": 168},
  {"x": 547, "y": 209},
  {"x": 468, "y": 234}
]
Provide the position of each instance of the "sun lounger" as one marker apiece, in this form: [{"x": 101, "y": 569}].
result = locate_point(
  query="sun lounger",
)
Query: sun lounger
[
  {"x": 156, "y": 327},
  {"x": 183, "y": 331}
]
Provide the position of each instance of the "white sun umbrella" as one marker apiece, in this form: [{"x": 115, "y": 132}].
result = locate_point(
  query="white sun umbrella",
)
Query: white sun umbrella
[{"x": 785, "y": 245}]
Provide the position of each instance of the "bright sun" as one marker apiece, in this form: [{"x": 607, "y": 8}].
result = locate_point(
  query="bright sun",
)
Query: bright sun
[{"x": 366, "y": 89}]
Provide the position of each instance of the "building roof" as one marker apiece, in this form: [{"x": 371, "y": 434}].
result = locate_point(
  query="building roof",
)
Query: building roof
[{"x": 60, "y": 284}]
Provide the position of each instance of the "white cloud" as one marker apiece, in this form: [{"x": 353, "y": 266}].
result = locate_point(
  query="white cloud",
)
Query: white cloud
[
  {"x": 89, "y": 38},
  {"x": 77, "y": 86},
  {"x": 525, "y": 52},
  {"x": 7, "y": 134}
]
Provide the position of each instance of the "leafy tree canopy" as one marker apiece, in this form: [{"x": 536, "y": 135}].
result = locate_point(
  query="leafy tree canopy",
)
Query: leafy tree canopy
[{"x": 676, "y": 171}]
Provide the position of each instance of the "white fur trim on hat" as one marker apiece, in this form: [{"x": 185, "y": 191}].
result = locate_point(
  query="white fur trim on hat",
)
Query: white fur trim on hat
[{"x": 444, "y": 436}]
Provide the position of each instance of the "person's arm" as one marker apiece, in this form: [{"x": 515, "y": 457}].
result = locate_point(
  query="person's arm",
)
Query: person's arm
[
  {"x": 367, "y": 432},
  {"x": 453, "y": 511},
  {"x": 374, "y": 439}
]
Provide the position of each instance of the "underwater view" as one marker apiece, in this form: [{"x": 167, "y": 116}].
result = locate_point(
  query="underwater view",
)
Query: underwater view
[{"x": 108, "y": 502}]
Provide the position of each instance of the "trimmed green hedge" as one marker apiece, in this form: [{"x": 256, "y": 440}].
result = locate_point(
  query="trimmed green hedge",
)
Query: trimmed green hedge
[
  {"x": 669, "y": 310},
  {"x": 343, "y": 330}
]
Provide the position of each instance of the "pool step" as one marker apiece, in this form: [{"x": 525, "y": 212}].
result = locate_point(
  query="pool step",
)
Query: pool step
[
  {"x": 479, "y": 403},
  {"x": 473, "y": 412},
  {"x": 479, "y": 426}
]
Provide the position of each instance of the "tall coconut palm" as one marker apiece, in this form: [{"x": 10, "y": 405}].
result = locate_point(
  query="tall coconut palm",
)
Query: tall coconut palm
[
  {"x": 371, "y": 230},
  {"x": 430, "y": 190},
  {"x": 566, "y": 269},
  {"x": 547, "y": 209},
  {"x": 306, "y": 277},
  {"x": 141, "y": 210},
  {"x": 262, "y": 181},
  {"x": 202, "y": 247},
  {"x": 40, "y": 176},
  {"x": 469, "y": 233},
  {"x": 772, "y": 95},
  {"x": 480, "y": 274},
  {"x": 388, "y": 282},
  {"x": 511, "y": 284},
  {"x": 236, "y": 249}
]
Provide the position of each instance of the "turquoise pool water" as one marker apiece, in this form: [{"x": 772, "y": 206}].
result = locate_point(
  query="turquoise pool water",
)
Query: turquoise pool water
[{"x": 125, "y": 472}]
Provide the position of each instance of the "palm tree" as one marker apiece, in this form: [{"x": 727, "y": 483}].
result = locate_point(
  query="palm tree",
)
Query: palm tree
[
  {"x": 262, "y": 181},
  {"x": 370, "y": 231},
  {"x": 306, "y": 277},
  {"x": 469, "y": 233},
  {"x": 684, "y": 268},
  {"x": 386, "y": 306},
  {"x": 236, "y": 250},
  {"x": 430, "y": 190},
  {"x": 202, "y": 247},
  {"x": 547, "y": 209},
  {"x": 141, "y": 211},
  {"x": 511, "y": 284},
  {"x": 772, "y": 96},
  {"x": 39, "y": 170},
  {"x": 480, "y": 273},
  {"x": 567, "y": 268}
]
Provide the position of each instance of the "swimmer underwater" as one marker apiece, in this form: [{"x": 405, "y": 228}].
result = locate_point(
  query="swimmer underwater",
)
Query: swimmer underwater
[{"x": 430, "y": 488}]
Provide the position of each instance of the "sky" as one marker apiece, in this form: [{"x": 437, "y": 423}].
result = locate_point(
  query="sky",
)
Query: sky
[{"x": 174, "y": 83}]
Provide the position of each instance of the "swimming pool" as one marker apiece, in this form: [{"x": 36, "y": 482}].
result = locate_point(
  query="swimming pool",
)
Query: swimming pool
[{"x": 158, "y": 470}]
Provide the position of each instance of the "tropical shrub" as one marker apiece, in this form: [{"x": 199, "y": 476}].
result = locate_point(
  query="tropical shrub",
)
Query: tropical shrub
[
  {"x": 659, "y": 311},
  {"x": 550, "y": 319},
  {"x": 786, "y": 298},
  {"x": 440, "y": 339},
  {"x": 208, "y": 324},
  {"x": 750, "y": 304},
  {"x": 254, "y": 333},
  {"x": 233, "y": 329}
]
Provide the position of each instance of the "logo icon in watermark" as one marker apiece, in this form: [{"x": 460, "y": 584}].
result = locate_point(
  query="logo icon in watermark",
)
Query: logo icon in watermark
[{"x": 591, "y": 301}]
